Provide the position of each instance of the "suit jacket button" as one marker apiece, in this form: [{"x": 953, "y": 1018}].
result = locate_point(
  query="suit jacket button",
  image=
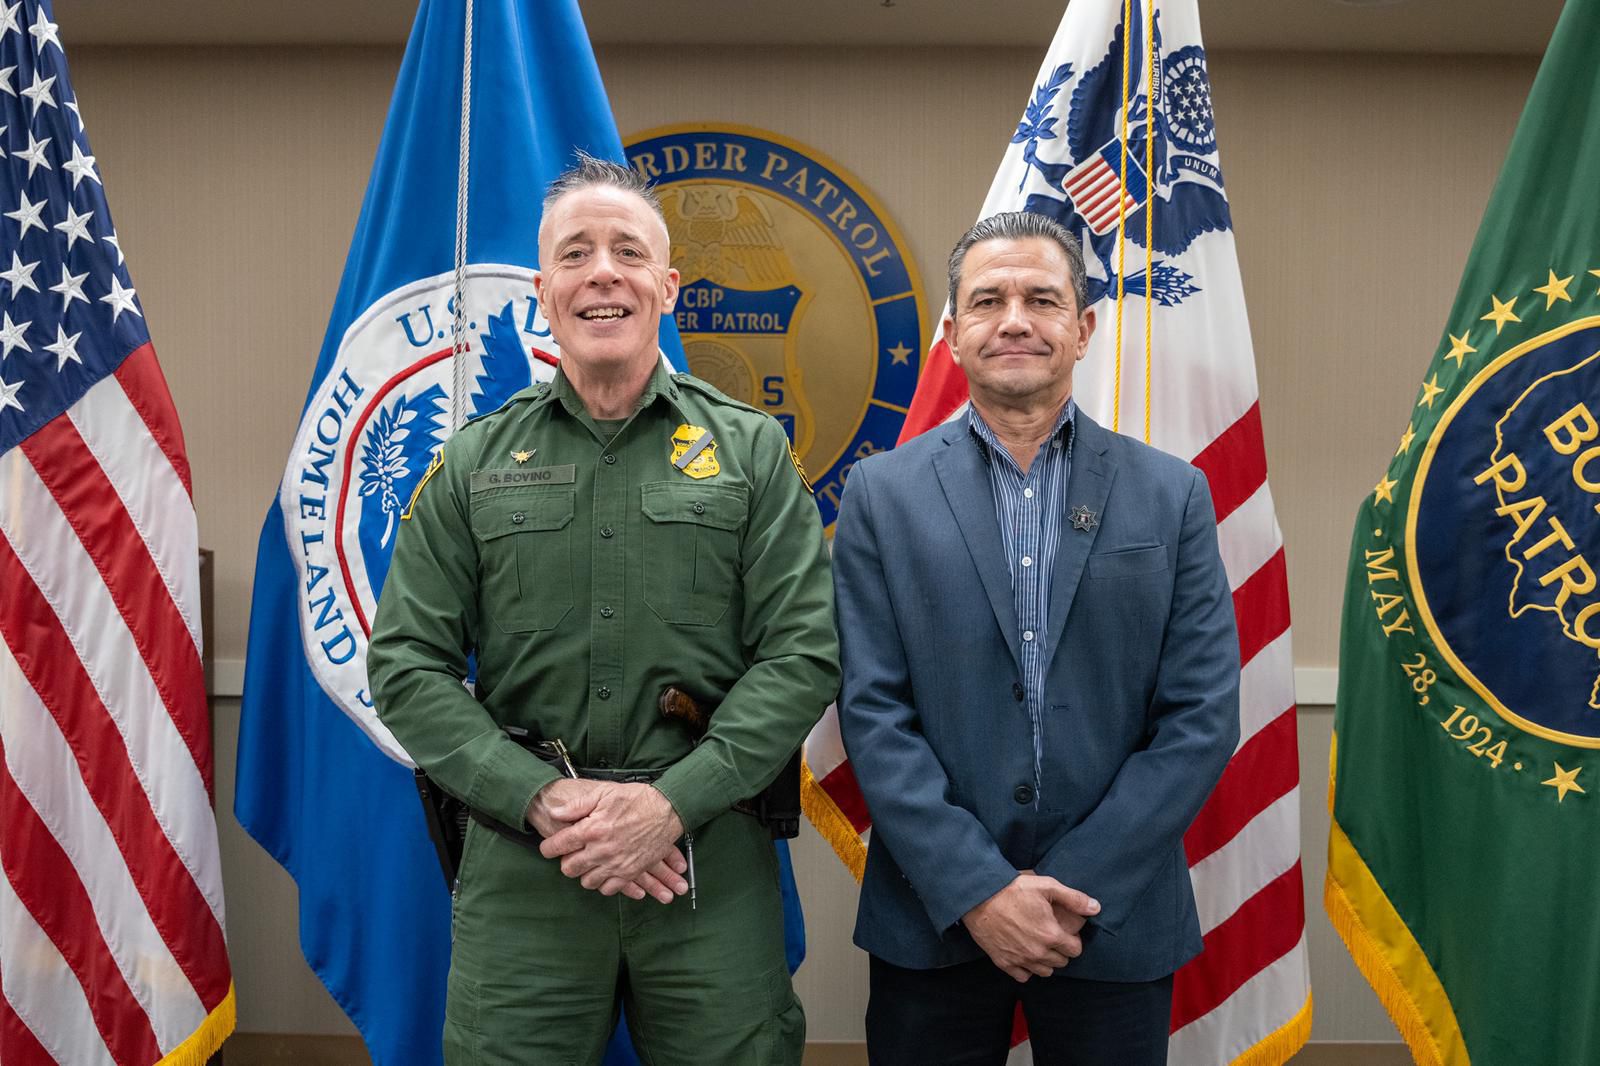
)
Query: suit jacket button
[
  {"x": 1023, "y": 794},
  {"x": 1017, "y": 691}
]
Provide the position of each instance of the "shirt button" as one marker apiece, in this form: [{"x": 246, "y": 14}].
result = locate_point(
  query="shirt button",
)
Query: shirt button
[
  {"x": 1027, "y": 560},
  {"x": 1023, "y": 794},
  {"x": 606, "y": 612},
  {"x": 609, "y": 459},
  {"x": 602, "y": 763},
  {"x": 1027, "y": 494},
  {"x": 605, "y": 531},
  {"x": 1027, "y": 634},
  {"x": 518, "y": 518},
  {"x": 1017, "y": 691},
  {"x": 603, "y": 692},
  {"x": 699, "y": 508}
]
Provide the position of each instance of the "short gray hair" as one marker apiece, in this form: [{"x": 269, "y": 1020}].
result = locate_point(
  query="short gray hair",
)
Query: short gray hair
[
  {"x": 1016, "y": 226},
  {"x": 591, "y": 171}
]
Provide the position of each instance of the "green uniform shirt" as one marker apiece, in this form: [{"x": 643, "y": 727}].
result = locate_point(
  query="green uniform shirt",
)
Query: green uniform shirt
[{"x": 587, "y": 572}]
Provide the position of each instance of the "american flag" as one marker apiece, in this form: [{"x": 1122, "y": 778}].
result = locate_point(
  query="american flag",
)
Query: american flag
[
  {"x": 1096, "y": 193},
  {"x": 1247, "y": 997},
  {"x": 111, "y": 916}
]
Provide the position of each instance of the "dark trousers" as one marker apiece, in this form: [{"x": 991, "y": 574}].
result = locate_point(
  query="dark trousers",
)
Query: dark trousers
[{"x": 962, "y": 1015}]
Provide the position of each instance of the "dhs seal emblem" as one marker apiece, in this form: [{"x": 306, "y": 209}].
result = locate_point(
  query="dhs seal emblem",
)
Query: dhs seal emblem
[
  {"x": 797, "y": 295},
  {"x": 1071, "y": 133},
  {"x": 1504, "y": 534},
  {"x": 372, "y": 433}
]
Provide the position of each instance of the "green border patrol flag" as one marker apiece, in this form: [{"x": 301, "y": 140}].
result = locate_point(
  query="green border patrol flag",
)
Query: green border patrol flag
[{"x": 1465, "y": 846}]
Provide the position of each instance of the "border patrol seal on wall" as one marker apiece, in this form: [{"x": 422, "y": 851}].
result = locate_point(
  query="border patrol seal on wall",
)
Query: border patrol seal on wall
[{"x": 797, "y": 295}]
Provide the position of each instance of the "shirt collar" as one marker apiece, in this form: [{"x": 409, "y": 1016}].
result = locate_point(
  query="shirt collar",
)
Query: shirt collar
[
  {"x": 983, "y": 434},
  {"x": 660, "y": 386}
]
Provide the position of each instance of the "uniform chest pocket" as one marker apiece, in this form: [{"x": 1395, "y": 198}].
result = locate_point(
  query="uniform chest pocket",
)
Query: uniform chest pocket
[
  {"x": 525, "y": 556},
  {"x": 691, "y": 550}
]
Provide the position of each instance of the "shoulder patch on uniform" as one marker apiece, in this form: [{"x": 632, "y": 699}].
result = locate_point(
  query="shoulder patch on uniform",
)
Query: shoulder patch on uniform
[
  {"x": 798, "y": 469},
  {"x": 433, "y": 468}
]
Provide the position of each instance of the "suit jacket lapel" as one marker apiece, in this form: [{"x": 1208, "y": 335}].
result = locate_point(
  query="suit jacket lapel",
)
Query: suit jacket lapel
[
  {"x": 1088, "y": 485},
  {"x": 965, "y": 480}
]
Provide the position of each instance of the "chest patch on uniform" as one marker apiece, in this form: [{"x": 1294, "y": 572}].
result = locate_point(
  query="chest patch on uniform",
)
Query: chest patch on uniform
[
  {"x": 694, "y": 452},
  {"x": 565, "y": 474},
  {"x": 433, "y": 468}
]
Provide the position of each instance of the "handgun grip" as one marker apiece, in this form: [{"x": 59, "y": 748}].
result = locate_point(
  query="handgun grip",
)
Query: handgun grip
[{"x": 678, "y": 706}]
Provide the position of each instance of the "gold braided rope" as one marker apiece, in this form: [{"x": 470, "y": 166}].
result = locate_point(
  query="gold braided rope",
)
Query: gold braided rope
[
  {"x": 1122, "y": 219},
  {"x": 1149, "y": 208}
]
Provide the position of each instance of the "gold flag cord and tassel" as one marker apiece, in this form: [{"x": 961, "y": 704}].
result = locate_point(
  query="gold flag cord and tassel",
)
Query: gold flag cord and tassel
[{"x": 1149, "y": 212}]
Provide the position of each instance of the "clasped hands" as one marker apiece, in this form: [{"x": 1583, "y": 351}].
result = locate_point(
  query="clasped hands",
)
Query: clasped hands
[
  {"x": 612, "y": 837},
  {"x": 1033, "y": 926}
]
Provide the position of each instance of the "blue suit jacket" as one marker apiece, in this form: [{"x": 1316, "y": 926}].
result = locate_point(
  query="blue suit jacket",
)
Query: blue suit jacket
[{"x": 1141, "y": 698}]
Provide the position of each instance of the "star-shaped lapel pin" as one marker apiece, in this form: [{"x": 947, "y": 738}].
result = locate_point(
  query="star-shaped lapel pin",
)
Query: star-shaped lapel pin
[{"x": 1083, "y": 519}]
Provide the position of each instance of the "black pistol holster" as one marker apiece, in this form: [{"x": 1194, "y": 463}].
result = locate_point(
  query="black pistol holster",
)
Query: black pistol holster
[
  {"x": 446, "y": 816},
  {"x": 777, "y": 807}
]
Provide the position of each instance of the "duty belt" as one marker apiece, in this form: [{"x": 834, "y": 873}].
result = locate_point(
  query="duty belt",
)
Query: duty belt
[{"x": 555, "y": 753}]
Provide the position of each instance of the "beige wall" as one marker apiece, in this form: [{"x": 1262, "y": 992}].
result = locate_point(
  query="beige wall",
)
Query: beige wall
[{"x": 1356, "y": 183}]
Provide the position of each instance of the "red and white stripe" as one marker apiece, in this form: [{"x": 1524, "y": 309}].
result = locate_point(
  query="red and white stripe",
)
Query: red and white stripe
[
  {"x": 1095, "y": 188},
  {"x": 1248, "y": 993},
  {"x": 111, "y": 915}
]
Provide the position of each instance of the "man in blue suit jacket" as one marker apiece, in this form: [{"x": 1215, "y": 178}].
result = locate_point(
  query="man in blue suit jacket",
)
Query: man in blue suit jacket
[{"x": 1040, "y": 689}]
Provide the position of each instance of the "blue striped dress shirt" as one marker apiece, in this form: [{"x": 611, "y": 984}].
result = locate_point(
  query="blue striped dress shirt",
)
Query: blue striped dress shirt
[{"x": 1031, "y": 509}]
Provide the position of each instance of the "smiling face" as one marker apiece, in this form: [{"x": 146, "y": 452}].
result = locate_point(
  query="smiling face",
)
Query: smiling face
[
  {"x": 605, "y": 282},
  {"x": 1015, "y": 329}
]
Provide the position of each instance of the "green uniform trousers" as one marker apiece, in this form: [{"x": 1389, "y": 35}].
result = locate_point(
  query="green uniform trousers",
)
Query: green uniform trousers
[{"x": 540, "y": 964}]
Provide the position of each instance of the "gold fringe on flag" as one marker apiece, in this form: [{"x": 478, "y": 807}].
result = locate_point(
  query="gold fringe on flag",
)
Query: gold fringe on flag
[
  {"x": 1287, "y": 1039},
  {"x": 1390, "y": 958},
  {"x": 204, "y": 1041},
  {"x": 832, "y": 823}
]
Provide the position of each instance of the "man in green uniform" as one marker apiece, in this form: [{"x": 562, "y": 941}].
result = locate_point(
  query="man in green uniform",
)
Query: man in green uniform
[{"x": 598, "y": 538}]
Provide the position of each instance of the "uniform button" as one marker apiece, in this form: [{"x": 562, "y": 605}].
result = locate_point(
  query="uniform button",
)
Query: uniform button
[
  {"x": 602, "y": 762},
  {"x": 603, "y": 692},
  {"x": 609, "y": 459},
  {"x": 699, "y": 508},
  {"x": 1027, "y": 634},
  {"x": 1023, "y": 794},
  {"x": 606, "y": 612},
  {"x": 605, "y": 531},
  {"x": 518, "y": 518},
  {"x": 1017, "y": 691}
]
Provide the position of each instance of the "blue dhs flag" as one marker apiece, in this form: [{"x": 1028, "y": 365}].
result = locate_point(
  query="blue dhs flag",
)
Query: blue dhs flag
[{"x": 321, "y": 783}]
